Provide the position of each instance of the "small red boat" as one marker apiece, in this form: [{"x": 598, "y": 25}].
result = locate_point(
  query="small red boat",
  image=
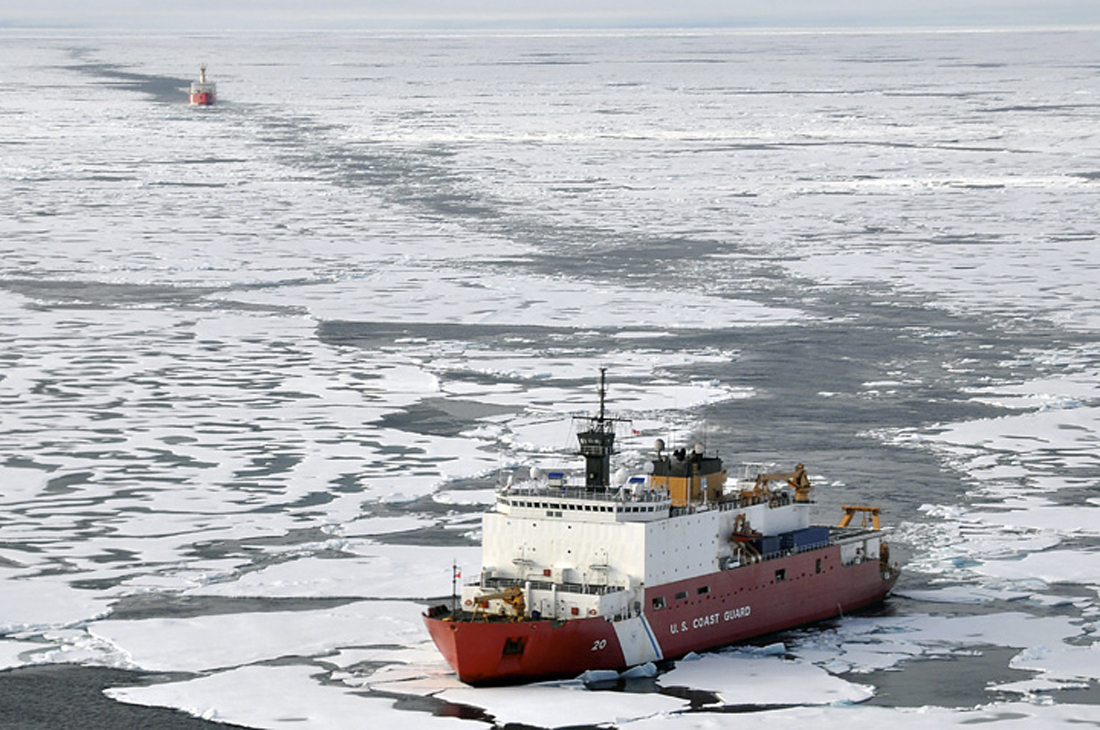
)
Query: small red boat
[
  {"x": 203, "y": 92},
  {"x": 605, "y": 576}
]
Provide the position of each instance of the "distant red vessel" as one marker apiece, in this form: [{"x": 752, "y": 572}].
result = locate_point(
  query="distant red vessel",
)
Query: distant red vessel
[
  {"x": 608, "y": 577},
  {"x": 203, "y": 92}
]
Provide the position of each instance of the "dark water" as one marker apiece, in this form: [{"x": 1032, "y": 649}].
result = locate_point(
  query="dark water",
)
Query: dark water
[{"x": 69, "y": 697}]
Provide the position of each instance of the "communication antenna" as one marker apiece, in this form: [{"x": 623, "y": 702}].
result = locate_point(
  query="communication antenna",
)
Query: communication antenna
[{"x": 598, "y": 442}]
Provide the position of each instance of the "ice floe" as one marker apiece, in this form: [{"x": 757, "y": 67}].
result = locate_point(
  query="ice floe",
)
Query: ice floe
[
  {"x": 743, "y": 678},
  {"x": 276, "y": 697},
  {"x": 221, "y": 641},
  {"x": 562, "y": 705}
]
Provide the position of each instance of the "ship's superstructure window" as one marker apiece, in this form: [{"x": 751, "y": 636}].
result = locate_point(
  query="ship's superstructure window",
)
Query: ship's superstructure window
[
  {"x": 703, "y": 590},
  {"x": 681, "y": 595},
  {"x": 658, "y": 603}
]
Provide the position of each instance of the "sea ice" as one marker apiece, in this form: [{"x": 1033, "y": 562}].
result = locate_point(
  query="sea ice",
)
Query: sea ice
[
  {"x": 30, "y": 602},
  {"x": 374, "y": 570},
  {"x": 860, "y": 645},
  {"x": 276, "y": 697},
  {"x": 427, "y": 294},
  {"x": 176, "y": 422},
  {"x": 1051, "y": 566},
  {"x": 1009, "y": 716},
  {"x": 219, "y": 641},
  {"x": 562, "y": 704},
  {"x": 747, "y": 679},
  {"x": 12, "y": 653}
]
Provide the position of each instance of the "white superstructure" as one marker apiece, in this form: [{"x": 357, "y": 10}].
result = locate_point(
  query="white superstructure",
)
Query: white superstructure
[{"x": 578, "y": 552}]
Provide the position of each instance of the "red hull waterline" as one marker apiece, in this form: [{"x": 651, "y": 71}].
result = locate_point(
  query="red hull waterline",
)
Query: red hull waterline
[{"x": 708, "y": 611}]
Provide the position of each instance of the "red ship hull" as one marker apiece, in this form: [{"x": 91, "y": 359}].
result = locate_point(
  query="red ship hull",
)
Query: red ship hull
[
  {"x": 202, "y": 98},
  {"x": 704, "y": 612}
]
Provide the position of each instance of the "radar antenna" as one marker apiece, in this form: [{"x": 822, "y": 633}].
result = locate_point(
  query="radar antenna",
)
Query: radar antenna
[{"x": 598, "y": 442}]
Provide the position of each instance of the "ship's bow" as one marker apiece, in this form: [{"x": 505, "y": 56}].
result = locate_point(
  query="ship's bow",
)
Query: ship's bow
[{"x": 444, "y": 635}]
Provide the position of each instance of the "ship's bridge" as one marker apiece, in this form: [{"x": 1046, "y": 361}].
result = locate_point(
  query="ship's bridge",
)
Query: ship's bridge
[{"x": 634, "y": 502}]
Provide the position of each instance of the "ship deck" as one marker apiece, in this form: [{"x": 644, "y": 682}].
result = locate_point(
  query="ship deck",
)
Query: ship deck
[{"x": 572, "y": 502}]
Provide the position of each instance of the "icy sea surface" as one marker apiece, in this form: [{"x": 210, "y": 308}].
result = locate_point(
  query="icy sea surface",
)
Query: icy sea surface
[{"x": 262, "y": 363}]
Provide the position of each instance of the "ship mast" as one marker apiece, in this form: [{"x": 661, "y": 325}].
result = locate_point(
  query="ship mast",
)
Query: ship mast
[{"x": 598, "y": 443}]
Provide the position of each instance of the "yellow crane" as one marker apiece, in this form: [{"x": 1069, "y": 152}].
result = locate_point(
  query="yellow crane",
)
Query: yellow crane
[
  {"x": 796, "y": 479},
  {"x": 512, "y": 597},
  {"x": 851, "y": 510}
]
